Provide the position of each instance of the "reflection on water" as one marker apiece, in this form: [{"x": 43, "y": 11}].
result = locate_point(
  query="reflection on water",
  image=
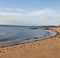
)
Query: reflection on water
[{"x": 20, "y": 34}]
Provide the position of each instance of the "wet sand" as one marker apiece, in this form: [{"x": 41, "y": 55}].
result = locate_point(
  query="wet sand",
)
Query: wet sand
[{"x": 48, "y": 48}]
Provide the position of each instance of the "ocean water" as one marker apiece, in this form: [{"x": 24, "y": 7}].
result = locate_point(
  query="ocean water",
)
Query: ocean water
[{"x": 10, "y": 35}]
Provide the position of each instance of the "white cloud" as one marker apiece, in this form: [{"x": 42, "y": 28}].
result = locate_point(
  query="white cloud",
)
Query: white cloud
[
  {"x": 8, "y": 9},
  {"x": 20, "y": 10},
  {"x": 13, "y": 9},
  {"x": 40, "y": 13},
  {"x": 38, "y": 17}
]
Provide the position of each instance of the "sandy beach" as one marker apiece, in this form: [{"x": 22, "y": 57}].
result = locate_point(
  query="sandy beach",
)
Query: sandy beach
[{"x": 48, "y": 48}]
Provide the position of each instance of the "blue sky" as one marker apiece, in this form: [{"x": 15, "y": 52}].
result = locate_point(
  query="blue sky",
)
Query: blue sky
[
  {"x": 30, "y": 12},
  {"x": 29, "y": 4}
]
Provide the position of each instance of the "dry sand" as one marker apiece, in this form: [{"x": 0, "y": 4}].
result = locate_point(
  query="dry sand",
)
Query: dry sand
[{"x": 48, "y": 48}]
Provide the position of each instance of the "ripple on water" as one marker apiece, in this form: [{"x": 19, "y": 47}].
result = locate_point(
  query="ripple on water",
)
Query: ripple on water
[{"x": 10, "y": 35}]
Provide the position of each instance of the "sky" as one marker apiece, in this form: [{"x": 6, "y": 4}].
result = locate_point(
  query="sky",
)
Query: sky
[{"x": 30, "y": 12}]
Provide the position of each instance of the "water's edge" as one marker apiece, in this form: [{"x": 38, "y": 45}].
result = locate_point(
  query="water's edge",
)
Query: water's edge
[{"x": 39, "y": 39}]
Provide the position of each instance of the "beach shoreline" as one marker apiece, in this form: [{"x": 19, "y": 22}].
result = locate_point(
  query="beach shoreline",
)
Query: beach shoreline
[
  {"x": 17, "y": 43},
  {"x": 36, "y": 49}
]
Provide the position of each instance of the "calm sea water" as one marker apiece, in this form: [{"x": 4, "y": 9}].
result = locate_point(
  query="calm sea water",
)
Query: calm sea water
[{"x": 10, "y": 35}]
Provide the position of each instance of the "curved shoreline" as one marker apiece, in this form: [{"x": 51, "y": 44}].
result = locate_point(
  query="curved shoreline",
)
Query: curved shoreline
[
  {"x": 47, "y": 48},
  {"x": 13, "y": 44}
]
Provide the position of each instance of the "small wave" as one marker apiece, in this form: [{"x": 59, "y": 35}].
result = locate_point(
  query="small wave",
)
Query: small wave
[{"x": 18, "y": 34}]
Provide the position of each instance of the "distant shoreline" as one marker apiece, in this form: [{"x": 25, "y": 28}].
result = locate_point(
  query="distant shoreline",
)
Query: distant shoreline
[{"x": 25, "y": 26}]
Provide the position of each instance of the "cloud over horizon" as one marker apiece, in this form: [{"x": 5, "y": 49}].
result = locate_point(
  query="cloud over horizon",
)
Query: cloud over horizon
[{"x": 19, "y": 16}]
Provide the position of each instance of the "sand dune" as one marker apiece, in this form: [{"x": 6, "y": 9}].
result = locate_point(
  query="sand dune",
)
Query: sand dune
[{"x": 48, "y": 48}]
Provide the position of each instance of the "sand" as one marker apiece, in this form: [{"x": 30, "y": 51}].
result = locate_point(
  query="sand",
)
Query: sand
[{"x": 48, "y": 48}]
